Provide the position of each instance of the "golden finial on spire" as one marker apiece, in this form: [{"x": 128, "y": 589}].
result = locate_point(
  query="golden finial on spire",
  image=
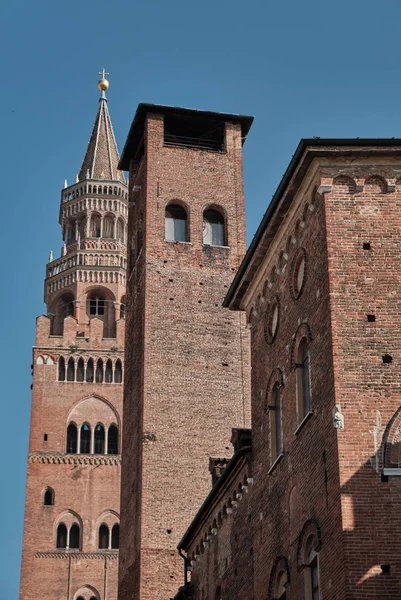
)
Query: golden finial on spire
[{"x": 103, "y": 84}]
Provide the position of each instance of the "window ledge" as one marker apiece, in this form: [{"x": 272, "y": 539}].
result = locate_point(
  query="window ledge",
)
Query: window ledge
[
  {"x": 178, "y": 242},
  {"x": 215, "y": 246},
  {"x": 274, "y": 465},
  {"x": 302, "y": 423},
  {"x": 392, "y": 472}
]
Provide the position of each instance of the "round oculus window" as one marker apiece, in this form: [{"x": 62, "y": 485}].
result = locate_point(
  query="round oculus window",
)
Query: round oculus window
[
  {"x": 298, "y": 273},
  {"x": 272, "y": 320}
]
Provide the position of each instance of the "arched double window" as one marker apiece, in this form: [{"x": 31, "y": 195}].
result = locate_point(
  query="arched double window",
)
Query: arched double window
[
  {"x": 213, "y": 228},
  {"x": 68, "y": 537},
  {"x": 109, "y": 538},
  {"x": 176, "y": 224},
  {"x": 303, "y": 379}
]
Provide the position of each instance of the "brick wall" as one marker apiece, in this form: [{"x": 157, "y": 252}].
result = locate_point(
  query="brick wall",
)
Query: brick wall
[{"x": 187, "y": 358}]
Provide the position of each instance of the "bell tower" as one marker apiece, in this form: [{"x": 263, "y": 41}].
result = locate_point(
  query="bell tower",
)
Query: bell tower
[{"x": 72, "y": 512}]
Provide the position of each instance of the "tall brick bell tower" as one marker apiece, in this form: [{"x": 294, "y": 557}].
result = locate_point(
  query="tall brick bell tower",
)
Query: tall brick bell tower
[
  {"x": 187, "y": 359},
  {"x": 71, "y": 533}
]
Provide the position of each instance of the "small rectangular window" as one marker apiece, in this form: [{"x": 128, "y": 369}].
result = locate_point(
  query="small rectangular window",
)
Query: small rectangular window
[{"x": 45, "y": 437}]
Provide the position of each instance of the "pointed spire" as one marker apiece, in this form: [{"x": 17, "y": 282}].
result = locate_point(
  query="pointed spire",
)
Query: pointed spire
[
  {"x": 101, "y": 158},
  {"x": 65, "y": 183}
]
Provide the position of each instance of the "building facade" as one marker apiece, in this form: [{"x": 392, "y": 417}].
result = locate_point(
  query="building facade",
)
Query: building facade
[
  {"x": 72, "y": 512},
  {"x": 187, "y": 359},
  {"x": 319, "y": 484}
]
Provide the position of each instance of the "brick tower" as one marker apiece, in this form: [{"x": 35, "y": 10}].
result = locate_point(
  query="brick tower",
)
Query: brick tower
[
  {"x": 187, "y": 363},
  {"x": 71, "y": 532}
]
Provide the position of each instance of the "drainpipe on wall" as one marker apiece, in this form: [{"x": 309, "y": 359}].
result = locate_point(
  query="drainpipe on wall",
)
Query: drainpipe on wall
[{"x": 185, "y": 566}]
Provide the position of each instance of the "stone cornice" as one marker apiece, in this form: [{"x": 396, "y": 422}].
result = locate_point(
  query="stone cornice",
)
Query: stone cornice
[
  {"x": 78, "y": 555},
  {"x": 59, "y": 458}
]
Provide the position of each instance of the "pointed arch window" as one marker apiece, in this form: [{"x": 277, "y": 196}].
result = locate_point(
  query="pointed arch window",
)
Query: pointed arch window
[
  {"x": 89, "y": 371},
  {"x": 103, "y": 537},
  {"x": 303, "y": 380},
  {"x": 276, "y": 436},
  {"x": 72, "y": 439},
  {"x": 115, "y": 537},
  {"x": 48, "y": 498},
  {"x": 99, "y": 439},
  {"x": 118, "y": 371},
  {"x": 99, "y": 371},
  {"x": 112, "y": 440},
  {"x": 61, "y": 536},
  {"x": 80, "y": 369},
  {"x": 120, "y": 230},
  {"x": 213, "y": 228},
  {"x": 74, "y": 536},
  {"x": 85, "y": 439},
  {"x": 61, "y": 369},
  {"x": 311, "y": 570},
  {"x": 95, "y": 226},
  {"x": 71, "y": 369},
  {"x": 108, "y": 376},
  {"x": 108, "y": 227},
  {"x": 176, "y": 224}
]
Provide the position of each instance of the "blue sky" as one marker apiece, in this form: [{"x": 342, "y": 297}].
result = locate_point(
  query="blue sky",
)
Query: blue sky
[{"x": 331, "y": 69}]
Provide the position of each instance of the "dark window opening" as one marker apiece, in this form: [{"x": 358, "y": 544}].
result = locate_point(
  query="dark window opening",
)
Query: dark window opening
[
  {"x": 108, "y": 376},
  {"x": 303, "y": 380},
  {"x": 176, "y": 229},
  {"x": 314, "y": 579},
  {"x": 118, "y": 372},
  {"x": 45, "y": 437},
  {"x": 189, "y": 132},
  {"x": 213, "y": 228},
  {"x": 112, "y": 440},
  {"x": 85, "y": 439},
  {"x": 89, "y": 371},
  {"x": 115, "y": 537},
  {"x": 72, "y": 439},
  {"x": 275, "y": 424},
  {"x": 74, "y": 536},
  {"x": 103, "y": 537},
  {"x": 80, "y": 370},
  {"x": 99, "y": 439},
  {"x": 70, "y": 370},
  {"x": 96, "y": 306},
  {"x": 99, "y": 371},
  {"x": 48, "y": 499},
  {"x": 61, "y": 369},
  {"x": 61, "y": 536}
]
